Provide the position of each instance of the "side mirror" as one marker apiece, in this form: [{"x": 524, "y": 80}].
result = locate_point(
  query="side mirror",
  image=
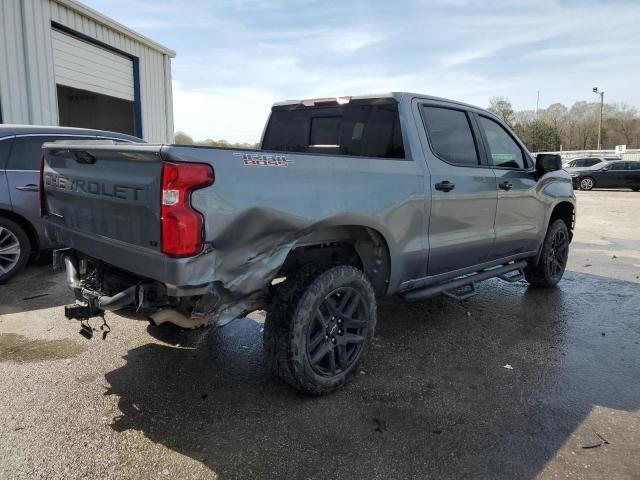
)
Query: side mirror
[{"x": 548, "y": 162}]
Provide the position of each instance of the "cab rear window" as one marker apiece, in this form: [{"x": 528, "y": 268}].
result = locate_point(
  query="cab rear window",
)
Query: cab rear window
[{"x": 355, "y": 130}]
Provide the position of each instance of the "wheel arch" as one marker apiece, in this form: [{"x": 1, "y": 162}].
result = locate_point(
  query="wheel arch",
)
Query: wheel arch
[
  {"x": 358, "y": 245},
  {"x": 566, "y": 212},
  {"x": 26, "y": 225}
]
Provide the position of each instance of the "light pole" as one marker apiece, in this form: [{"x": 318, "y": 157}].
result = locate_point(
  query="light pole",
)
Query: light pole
[{"x": 595, "y": 90}]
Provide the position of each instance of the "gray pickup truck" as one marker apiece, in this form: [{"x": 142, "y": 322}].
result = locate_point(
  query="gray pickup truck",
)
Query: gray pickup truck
[{"x": 347, "y": 200}]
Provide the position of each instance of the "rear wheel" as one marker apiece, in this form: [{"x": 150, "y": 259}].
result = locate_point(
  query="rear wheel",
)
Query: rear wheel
[
  {"x": 587, "y": 183},
  {"x": 548, "y": 271},
  {"x": 319, "y": 328},
  {"x": 635, "y": 189},
  {"x": 14, "y": 249}
]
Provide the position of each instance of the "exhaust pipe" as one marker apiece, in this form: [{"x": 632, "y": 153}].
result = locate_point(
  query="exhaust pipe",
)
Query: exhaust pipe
[
  {"x": 73, "y": 279},
  {"x": 119, "y": 300},
  {"x": 168, "y": 315},
  {"x": 95, "y": 302}
]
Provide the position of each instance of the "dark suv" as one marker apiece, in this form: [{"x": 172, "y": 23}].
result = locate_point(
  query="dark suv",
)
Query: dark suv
[
  {"x": 21, "y": 233},
  {"x": 618, "y": 174}
]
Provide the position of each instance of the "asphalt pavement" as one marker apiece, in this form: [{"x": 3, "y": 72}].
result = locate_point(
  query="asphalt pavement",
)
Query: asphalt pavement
[{"x": 515, "y": 382}]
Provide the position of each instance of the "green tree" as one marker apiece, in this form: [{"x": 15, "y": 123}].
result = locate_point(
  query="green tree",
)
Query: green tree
[
  {"x": 183, "y": 139},
  {"x": 538, "y": 136},
  {"x": 502, "y": 107},
  {"x": 624, "y": 122}
]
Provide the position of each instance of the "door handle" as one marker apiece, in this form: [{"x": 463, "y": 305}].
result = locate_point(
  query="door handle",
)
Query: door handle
[
  {"x": 30, "y": 187},
  {"x": 506, "y": 185},
  {"x": 445, "y": 186}
]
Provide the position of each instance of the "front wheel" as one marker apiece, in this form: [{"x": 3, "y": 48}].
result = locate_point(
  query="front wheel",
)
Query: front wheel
[
  {"x": 319, "y": 327},
  {"x": 548, "y": 271},
  {"x": 587, "y": 183},
  {"x": 635, "y": 189}
]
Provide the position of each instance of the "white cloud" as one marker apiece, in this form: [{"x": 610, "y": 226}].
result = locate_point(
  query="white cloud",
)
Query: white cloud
[
  {"x": 236, "y": 57},
  {"x": 232, "y": 114},
  {"x": 352, "y": 41}
]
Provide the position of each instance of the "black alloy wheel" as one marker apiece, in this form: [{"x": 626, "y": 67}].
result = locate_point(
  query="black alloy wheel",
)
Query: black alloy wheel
[
  {"x": 319, "y": 327},
  {"x": 558, "y": 254},
  {"x": 337, "y": 333}
]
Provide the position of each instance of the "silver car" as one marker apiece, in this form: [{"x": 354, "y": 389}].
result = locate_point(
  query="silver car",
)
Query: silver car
[
  {"x": 21, "y": 233},
  {"x": 587, "y": 163}
]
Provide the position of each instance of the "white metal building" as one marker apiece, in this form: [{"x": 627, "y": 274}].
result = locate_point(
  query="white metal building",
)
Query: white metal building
[{"x": 62, "y": 63}]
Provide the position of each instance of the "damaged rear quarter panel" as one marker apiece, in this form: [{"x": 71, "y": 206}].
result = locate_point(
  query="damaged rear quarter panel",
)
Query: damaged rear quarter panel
[{"x": 254, "y": 215}]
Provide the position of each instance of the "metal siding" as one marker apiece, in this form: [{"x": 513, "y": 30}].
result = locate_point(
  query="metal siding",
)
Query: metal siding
[
  {"x": 168, "y": 95},
  {"x": 81, "y": 65},
  {"x": 27, "y": 86},
  {"x": 13, "y": 84},
  {"x": 42, "y": 91}
]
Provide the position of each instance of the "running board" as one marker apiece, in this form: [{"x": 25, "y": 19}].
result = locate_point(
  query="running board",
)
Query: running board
[{"x": 452, "y": 287}]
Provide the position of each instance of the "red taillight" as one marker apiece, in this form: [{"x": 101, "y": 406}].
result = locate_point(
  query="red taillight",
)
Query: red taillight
[
  {"x": 41, "y": 186},
  {"x": 181, "y": 226}
]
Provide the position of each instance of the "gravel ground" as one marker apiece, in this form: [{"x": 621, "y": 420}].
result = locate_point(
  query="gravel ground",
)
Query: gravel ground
[{"x": 434, "y": 401}]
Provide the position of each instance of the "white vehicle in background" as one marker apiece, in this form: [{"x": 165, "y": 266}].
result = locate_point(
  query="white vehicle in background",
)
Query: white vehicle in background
[{"x": 587, "y": 163}]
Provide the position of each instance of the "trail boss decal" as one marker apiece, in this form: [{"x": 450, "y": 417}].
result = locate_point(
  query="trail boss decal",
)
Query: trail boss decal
[{"x": 258, "y": 160}]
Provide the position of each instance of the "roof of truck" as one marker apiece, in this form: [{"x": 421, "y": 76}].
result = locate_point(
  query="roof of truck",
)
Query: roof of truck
[
  {"x": 8, "y": 130},
  {"x": 397, "y": 96}
]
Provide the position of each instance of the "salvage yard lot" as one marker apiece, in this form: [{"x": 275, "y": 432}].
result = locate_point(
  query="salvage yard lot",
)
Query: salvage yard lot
[{"x": 434, "y": 399}]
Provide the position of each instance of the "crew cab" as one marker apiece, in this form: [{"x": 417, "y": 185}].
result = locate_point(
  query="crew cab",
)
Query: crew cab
[{"x": 348, "y": 199}]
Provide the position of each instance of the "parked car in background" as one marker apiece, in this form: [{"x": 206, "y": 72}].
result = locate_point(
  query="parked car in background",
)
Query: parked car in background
[
  {"x": 618, "y": 174},
  {"x": 593, "y": 163},
  {"x": 21, "y": 233}
]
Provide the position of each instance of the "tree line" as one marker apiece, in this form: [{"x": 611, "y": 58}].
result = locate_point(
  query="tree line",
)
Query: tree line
[
  {"x": 560, "y": 128},
  {"x": 183, "y": 139}
]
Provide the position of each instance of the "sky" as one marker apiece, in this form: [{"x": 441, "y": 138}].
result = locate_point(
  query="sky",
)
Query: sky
[{"x": 234, "y": 58}]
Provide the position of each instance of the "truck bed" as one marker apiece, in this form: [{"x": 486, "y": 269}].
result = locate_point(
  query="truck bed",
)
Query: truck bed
[{"x": 104, "y": 201}]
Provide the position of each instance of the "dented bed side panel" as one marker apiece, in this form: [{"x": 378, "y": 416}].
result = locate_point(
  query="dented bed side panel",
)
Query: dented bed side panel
[{"x": 255, "y": 213}]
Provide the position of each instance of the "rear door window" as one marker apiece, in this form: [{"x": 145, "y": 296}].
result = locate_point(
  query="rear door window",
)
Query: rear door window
[
  {"x": 5, "y": 150},
  {"x": 450, "y": 135},
  {"x": 590, "y": 162},
  {"x": 26, "y": 152},
  {"x": 634, "y": 166},
  {"x": 579, "y": 162},
  {"x": 617, "y": 166},
  {"x": 355, "y": 130},
  {"x": 503, "y": 149}
]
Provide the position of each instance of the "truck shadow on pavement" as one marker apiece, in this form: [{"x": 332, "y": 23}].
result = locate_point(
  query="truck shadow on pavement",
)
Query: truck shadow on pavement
[{"x": 433, "y": 401}]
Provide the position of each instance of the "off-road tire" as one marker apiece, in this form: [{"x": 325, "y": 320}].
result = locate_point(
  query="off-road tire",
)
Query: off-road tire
[
  {"x": 19, "y": 234},
  {"x": 589, "y": 183},
  {"x": 541, "y": 274},
  {"x": 291, "y": 314}
]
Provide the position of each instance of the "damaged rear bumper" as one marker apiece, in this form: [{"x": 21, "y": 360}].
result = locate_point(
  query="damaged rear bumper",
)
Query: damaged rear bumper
[
  {"x": 180, "y": 276},
  {"x": 193, "y": 307},
  {"x": 91, "y": 303}
]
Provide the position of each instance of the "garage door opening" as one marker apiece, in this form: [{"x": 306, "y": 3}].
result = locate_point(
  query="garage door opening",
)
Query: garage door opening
[{"x": 82, "y": 108}]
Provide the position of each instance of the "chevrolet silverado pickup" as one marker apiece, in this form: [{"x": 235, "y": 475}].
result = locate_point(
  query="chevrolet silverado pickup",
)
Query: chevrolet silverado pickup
[{"x": 347, "y": 199}]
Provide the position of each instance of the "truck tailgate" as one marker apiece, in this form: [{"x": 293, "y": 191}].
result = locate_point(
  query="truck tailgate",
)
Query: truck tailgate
[{"x": 110, "y": 191}]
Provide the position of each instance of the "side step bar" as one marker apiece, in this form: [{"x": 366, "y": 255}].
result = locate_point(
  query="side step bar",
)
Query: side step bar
[{"x": 448, "y": 288}]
